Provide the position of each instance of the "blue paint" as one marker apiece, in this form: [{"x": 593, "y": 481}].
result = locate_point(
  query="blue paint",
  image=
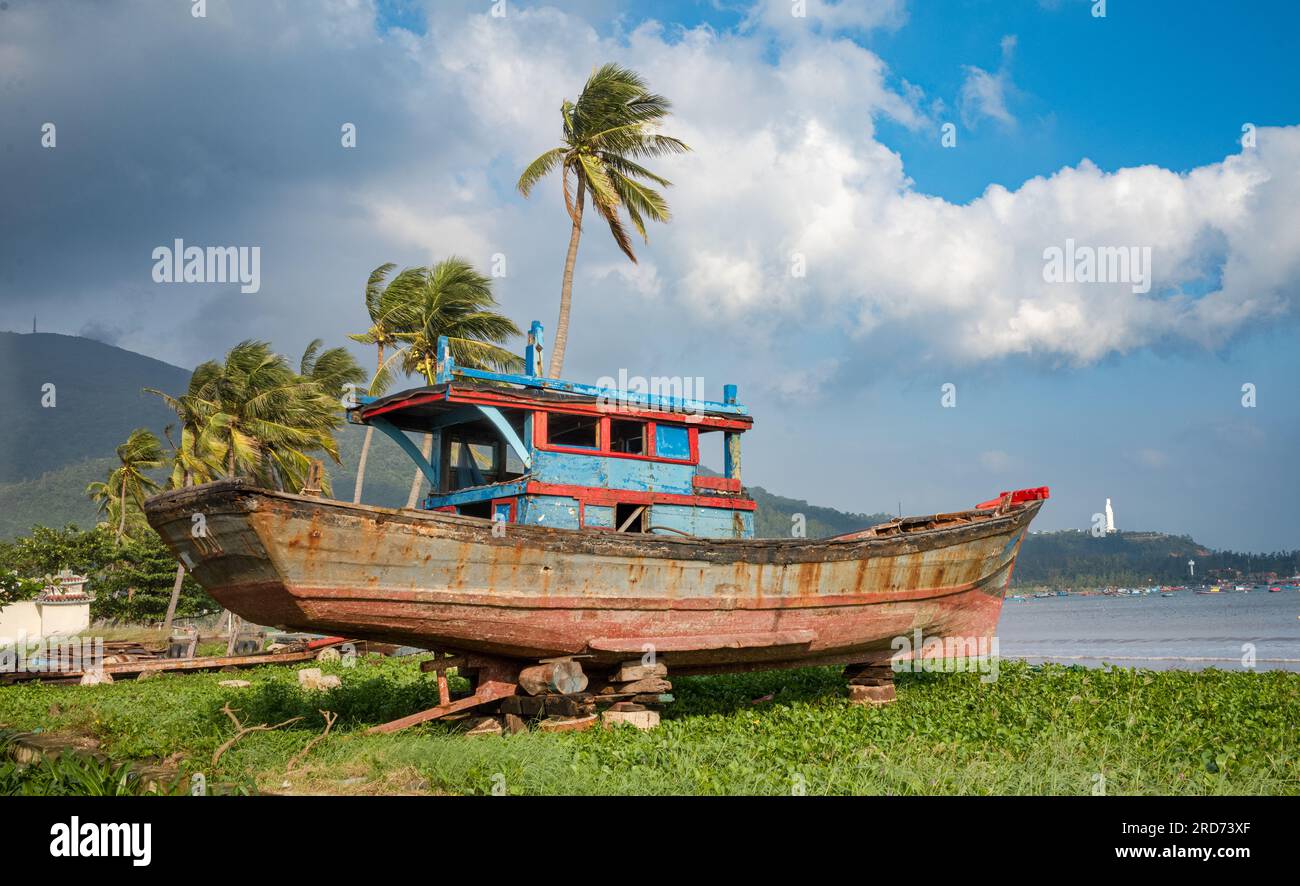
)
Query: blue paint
[
  {"x": 430, "y": 471},
  {"x": 672, "y": 441},
  {"x": 508, "y": 434},
  {"x": 598, "y": 515},
  {"x": 558, "y": 511},
  {"x": 611, "y": 472}
]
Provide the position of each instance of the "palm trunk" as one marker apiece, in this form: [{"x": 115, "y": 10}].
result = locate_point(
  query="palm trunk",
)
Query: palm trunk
[
  {"x": 176, "y": 595},
  {"x": 427, "y": 451},
  {"x": 186, "y": 481},
  {"x": 121, "y": 523},
  {"x": 566, "y": 290},
  {"x": 361, "y": 464},
  {"x": 370, "y": 434}
]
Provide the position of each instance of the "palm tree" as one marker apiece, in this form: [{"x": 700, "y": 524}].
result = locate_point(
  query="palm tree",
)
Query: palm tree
[
  {"x": 611, "y": 126},
  {"x": 262, "y": 418},
  {"x": 381, "y": 335},
  {"x": 129, "y": 482},
  {"x": 333, "y": 370},
  {"x": 449, "y": 299}
]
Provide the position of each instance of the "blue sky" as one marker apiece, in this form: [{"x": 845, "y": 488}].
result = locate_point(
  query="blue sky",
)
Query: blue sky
[{"x": 818, "y": 136}]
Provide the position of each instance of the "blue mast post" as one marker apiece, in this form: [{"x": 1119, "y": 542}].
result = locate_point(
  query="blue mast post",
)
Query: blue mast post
[
  {"x": 731, "y": 449},
  {"x": 536, "y": 349},
  {"x": 446, "y": 364}
]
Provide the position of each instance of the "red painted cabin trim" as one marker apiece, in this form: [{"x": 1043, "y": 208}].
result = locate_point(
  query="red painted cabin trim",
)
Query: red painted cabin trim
[
  {"x": 609, "y": 497},
  {"x": 718, "y": 484},
  {"x": 451, "y": 395}
]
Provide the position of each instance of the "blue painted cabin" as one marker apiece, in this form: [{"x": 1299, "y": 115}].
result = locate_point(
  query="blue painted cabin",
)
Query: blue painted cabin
[{"x": 530, "y": 449}]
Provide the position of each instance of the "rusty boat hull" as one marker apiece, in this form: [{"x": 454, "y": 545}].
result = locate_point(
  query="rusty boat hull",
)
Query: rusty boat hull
[{"x": 449, "y": 582}]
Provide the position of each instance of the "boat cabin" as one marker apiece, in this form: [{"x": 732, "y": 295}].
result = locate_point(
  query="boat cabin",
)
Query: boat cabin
[{"x": 530, "y": 449}]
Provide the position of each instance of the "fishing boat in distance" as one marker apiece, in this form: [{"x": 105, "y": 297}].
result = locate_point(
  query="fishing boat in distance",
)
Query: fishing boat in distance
[{"x": 571, "y": 527}]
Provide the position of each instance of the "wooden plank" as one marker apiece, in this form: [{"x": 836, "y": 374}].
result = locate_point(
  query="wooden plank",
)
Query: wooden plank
[{"x": 487, "y": 692}]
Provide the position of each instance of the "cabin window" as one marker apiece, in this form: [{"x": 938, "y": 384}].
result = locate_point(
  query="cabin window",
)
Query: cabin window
[
  {"x": 580, "y": 431},
  {"x": 672, "y": 441},
  {"x": 471, "y": 460},
  {"x": 475, "y": 509},
  {"x": 631, "y": 517},
  {"x": 627, "y": 436}
]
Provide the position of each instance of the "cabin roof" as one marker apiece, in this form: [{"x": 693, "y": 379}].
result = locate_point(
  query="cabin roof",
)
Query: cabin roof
[
  {"x": 413, "y": 409},
  {"x": 457, "y": 385}
]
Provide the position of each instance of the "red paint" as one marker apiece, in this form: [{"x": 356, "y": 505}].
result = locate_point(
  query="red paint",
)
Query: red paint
[
  {"x": 608, "y": 497},
  {"x": 603, "y": 438},
  {"x": 720, "y": 484},
  {"x": 505, "y": 501},
  {"x": 1020, "y": 496},
  {"x": 451, "y": 395}
]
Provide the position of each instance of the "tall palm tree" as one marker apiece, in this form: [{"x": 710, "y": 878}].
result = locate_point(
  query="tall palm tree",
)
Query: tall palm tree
[
  {"x": 382, "y": 335},
  {"x": 612, "y": 125},
  {"x": 129, "y": 482},
  {"x": 449, "y": 299}
]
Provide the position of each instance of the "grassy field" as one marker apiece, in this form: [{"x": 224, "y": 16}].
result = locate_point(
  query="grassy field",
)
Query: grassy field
[{"x": 1035, "y": 730}]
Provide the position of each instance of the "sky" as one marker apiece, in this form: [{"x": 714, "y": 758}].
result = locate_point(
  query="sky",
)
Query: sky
[{"x": 868, "y": 215}]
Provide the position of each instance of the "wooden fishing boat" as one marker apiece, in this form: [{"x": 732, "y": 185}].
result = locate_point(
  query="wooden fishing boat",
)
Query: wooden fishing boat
[{"x": 574, "y": 522}]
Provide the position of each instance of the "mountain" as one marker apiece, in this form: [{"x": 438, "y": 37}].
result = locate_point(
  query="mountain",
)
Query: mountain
[
  {"x": 1075, "y": 558},
  {"x": 67, "y": 399}
]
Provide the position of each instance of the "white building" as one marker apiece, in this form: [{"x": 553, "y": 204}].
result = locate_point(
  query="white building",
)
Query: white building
[{"x": 63, "y": 608}]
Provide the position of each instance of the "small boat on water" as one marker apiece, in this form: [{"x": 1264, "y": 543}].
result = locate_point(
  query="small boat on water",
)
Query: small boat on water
[{"x": 569, "y": 520}]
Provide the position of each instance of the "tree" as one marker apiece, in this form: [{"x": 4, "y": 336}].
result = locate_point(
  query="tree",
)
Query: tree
[
  {"x": 450, "y": 299},
  {"x": 129, "y": 482},
  {"x": 612, "y": 125},
  {"x": 262, "y": 418},
  {"x": 382, "y": 336}
]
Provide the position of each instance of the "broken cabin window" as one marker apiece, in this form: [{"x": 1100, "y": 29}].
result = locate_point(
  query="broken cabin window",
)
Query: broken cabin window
[
  {"x": 627, "y": 436},
  {"x": 573, "y": 430},
  {"x": 631, "y": 518}
]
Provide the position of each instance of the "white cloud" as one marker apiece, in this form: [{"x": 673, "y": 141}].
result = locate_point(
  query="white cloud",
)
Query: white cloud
[
  {"x": 984, "y": 94},
  {"x": 786, "y": 160}
]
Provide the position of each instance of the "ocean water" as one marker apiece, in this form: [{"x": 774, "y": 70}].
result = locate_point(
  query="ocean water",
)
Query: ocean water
[{"x": 1187, "y": 631}]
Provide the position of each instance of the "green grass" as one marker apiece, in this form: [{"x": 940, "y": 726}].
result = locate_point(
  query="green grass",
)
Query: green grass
[{"x": 1036, "y": 730}]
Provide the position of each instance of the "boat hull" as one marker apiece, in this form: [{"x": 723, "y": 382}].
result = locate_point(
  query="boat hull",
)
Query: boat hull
[{"x": 445, "y": 581}]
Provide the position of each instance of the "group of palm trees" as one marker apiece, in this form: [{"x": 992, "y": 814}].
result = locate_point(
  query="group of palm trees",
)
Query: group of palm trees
[
  {"x": 251, "y": 415},
  {"x": 254, "y": 415}
]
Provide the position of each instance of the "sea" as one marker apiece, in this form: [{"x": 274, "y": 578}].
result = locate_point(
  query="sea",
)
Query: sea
[{"x": 1187, "y": 631}]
